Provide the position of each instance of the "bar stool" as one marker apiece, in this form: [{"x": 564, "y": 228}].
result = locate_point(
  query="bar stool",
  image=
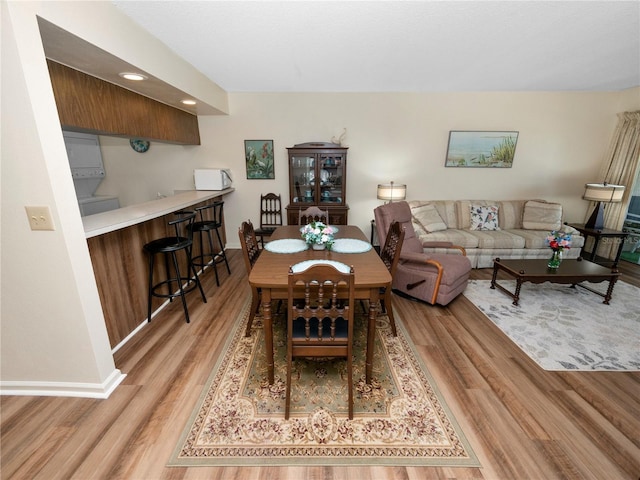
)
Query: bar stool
[
  {"x": 168, "y": 247},
  {"x": 211, "y": 218}
]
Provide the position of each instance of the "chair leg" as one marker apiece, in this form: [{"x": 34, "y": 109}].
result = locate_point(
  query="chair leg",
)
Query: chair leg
[
  {"x": 213, "y": 256},
  {"x": 149, "y": 301},
  {"x": 182, "y": 297},
  {"x": 224, "y": 255},
  {"x": 287, "y": 402},
  {"x": 192, "y": 267},
  {"x": 255, "y": 306},
  {"x": 386, "y": 303},
  {"x": 350, "y": 385}
]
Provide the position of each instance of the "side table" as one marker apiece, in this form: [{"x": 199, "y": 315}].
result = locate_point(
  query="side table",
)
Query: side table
[{"x": 604, "y": 235}]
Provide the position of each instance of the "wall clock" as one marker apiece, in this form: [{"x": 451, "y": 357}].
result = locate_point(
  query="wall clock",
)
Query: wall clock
[{"x": 138, "y": 145}]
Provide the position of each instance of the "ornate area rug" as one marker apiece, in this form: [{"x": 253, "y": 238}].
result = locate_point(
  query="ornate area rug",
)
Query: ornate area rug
[
  {"x": 400, "y": 419},
  {"x": 564, "y": 328}
]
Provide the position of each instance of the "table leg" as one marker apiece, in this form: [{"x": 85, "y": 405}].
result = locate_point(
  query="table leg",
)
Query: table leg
[
  {"x": 495, "y": 275},
  {"x": 607, "y": 296},
  {"x": 516, "y": 296},
  {"x": 267, "y": 324},
  {"x": 374, "y": 297}
]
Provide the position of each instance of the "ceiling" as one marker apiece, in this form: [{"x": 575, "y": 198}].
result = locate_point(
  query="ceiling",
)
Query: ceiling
[{"x": 378, "y": 46}]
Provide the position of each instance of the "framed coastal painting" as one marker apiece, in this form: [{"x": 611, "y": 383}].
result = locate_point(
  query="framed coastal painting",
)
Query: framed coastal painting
[
  {"x": 258, "y": 155},
  {"x": 486, "y": 149}
]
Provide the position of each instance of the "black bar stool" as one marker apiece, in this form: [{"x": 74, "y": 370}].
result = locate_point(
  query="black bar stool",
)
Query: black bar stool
[
  {"x": 211, "y": 218},
  {"x": 169, "y": 246}
]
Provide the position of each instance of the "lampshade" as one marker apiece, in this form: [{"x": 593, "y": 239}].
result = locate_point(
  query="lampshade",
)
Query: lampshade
[
  {"x": 392, "y": 191},
  {"x": 603, "y": 192}
]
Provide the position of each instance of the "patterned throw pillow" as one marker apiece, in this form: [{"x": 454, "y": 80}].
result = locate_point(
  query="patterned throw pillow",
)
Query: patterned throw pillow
[
  {"x": 484, "y": 217},
  {"x": 429, "y": 218}
]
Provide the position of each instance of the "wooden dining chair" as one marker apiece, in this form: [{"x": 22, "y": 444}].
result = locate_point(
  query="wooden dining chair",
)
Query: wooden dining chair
[
  {"x": 390, "y": 255},
  {"x": 319, "y": 324},
  {"x": 313, "y": 214},
  {"x": 250, "y": 252},
  {"x": 270, "y": 216}
]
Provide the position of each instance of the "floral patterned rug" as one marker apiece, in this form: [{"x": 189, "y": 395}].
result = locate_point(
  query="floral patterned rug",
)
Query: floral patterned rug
[
  {"x": 564, "y": 328},
  {"x": 399, "y": 419}
]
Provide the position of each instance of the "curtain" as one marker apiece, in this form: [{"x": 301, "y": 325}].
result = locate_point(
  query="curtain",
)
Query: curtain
[{"x": 621, "y": 168}]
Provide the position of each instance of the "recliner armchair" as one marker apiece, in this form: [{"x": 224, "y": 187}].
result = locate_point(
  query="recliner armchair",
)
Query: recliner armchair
[{"x": 433, "y": 278}]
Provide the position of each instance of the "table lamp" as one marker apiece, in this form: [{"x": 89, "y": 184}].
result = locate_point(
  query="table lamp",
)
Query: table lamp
[
  {"x": 391, "y": 191},
  {"x": 601, "y": 193}
]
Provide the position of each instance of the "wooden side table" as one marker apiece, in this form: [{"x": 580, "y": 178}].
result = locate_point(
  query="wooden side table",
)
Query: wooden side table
[{"x": 605, "y": 235}]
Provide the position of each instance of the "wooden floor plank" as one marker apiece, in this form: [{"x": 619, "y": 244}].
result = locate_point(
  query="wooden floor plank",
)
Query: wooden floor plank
[{"x": 523, "y": 422}]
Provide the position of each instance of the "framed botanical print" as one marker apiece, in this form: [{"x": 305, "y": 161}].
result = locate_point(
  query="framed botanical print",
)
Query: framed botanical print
[
  {"x": 490, "y": 149},
  {"x": 258, "y": 155}
]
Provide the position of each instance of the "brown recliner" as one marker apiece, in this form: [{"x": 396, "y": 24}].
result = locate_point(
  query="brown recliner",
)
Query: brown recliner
[{"x": 434, "y": 278}]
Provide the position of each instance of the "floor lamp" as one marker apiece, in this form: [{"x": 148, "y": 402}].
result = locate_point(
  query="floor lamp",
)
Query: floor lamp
[{"x": 601, "y": 193}]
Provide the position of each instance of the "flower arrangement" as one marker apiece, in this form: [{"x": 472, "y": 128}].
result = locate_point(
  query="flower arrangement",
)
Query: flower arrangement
[
  {"x": 558, "y": 241},
  {"x": 318, "y": 233}
]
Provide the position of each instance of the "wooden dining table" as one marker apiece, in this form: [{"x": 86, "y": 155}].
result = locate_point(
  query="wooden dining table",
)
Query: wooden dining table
[{"x": 271, "y": 270}]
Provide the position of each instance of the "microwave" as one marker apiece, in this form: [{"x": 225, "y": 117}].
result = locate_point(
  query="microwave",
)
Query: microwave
[{"x": 212, "y": 178}]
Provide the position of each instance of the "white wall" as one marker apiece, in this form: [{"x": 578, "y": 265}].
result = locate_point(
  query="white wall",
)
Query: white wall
[{"x": 401, "y": 137}]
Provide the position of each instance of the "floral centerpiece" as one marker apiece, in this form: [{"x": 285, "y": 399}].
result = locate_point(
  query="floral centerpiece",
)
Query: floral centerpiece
[
  {"x": 557, "y": 241},
  {"x": 318, "y": 235}
]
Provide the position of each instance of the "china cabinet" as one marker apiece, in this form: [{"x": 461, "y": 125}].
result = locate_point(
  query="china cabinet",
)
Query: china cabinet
[{"x": 318, "y": 176}]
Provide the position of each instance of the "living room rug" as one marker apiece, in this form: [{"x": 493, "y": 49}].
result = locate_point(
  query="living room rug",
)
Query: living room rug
[
  {"x": 564, "y": 328},
  {"x": 399, "y": 419}
]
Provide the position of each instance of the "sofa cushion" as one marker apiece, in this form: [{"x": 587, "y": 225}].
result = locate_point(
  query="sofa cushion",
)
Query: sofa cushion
[
  {"x": 540, "y": 215},
  {"x": 510, "y": 213},
  {"x": 427, "y": 216},
  {"x": 497, "y": 239},
  {"x": 484, "y": 217}
]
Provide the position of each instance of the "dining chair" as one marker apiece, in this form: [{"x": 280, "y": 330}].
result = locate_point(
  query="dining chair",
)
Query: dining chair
[
  {"x": 270, "y": 216},
  {"x": 319, "y": 323},
  {"x": 390, "y": 255},
  {"x": 313, "y": 214},
  {"x": 250, "y": 252},
  {"x": 436, "y": 278}
]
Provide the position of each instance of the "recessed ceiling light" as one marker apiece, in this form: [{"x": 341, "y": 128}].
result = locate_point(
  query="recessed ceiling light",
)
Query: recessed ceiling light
[
  {"x": 189, "y": 102},
  {"x": 133, "y": 76}
]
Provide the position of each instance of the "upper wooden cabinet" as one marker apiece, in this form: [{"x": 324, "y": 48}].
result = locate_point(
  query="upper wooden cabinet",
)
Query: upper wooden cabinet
[
  {"x": 88, "y": 104},
  {"x": 318, "y": 176}
]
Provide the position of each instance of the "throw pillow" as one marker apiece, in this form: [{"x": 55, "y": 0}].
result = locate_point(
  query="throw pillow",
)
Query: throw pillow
[
  {"x": 484, "y": 217},
  {"x": 429, "y": 218},
  {"x": 539, "y": 215}
]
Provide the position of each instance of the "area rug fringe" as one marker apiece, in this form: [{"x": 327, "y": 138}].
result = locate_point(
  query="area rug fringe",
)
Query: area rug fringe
[{"x": 400, "y": 419}]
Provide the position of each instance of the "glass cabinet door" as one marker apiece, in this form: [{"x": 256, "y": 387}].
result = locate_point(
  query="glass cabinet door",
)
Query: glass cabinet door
[
  {"x": 331, "y": 172},
  {"x": 303, "y": 171}
]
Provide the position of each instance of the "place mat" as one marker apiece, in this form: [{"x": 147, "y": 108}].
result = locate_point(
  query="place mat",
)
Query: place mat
[
  {"x": 350, "y": 245},
  {"x": 341, "y": 267},
  {"x": 286, "y": 245}
]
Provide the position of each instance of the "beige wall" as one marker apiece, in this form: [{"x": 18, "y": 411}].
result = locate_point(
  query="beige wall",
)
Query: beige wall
[{"x": 401, "y": 137}]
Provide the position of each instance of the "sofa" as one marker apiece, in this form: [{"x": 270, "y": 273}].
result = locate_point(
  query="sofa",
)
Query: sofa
[{"x": 486, "y": 229}]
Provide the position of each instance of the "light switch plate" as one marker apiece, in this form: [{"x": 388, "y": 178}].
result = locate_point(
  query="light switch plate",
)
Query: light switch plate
[{"x": 40, "y": 218}]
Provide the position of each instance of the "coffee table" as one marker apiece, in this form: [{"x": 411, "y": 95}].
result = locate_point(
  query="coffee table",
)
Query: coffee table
[{"x": 570, "y": 272}]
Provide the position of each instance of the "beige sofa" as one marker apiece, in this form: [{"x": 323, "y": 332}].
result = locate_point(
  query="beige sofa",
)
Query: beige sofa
[{"x": 508, "y": 229}]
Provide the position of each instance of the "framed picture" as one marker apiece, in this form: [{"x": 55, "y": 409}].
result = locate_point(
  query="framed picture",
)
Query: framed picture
[
  {"x": 259, "y": 157},
  {"x": 481, "y": 149}
]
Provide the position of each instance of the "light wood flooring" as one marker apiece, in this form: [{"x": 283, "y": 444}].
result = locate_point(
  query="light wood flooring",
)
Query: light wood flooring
[{"x": 523, "y": 422}]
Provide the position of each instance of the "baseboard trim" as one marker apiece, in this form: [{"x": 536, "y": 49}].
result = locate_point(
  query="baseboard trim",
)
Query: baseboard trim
[{"x": 64, "y": 389}]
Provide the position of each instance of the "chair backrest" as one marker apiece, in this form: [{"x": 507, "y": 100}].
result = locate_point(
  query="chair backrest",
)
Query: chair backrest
[
  {"x": 212, "y": 213},
  {"x": 313, "y": 214},
  {"x": 390, "y": 252},
  {"x": 249, "y": 244},
  {"x": 182, "y": 225},
  {"x": 321, "y": 311},
  {"x": 400, "y": 212},
  {"x": 270, "y": 210}
]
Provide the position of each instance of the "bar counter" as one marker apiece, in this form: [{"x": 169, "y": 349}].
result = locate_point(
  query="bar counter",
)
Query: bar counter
[{"x": 120, "y": 265}]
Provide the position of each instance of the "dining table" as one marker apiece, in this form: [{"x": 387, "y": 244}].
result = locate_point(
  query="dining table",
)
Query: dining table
[{"x": 270, "y": 274}]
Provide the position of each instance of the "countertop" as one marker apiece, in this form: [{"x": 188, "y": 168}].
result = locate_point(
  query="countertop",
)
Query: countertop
[{"x": 112, "y": 220}]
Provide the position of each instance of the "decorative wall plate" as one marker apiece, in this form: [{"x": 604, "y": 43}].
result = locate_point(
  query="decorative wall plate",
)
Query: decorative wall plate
[{"x": 138, "y": 145}]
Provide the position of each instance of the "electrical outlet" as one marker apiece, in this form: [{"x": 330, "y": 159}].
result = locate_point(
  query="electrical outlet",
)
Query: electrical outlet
[{"x": 40, "y": 218}]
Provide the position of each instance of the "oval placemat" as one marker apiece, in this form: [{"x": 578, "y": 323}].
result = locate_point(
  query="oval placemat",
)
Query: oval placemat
[
  {"x": 286, "y": 245},
  {"x": 350, "y": 245},
  {"x": 341, "y": 267}
]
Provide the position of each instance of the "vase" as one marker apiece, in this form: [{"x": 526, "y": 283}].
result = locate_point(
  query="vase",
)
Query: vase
[
  {"x": 555, "y": 260},
  {"x": 318, "y": 246}
]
